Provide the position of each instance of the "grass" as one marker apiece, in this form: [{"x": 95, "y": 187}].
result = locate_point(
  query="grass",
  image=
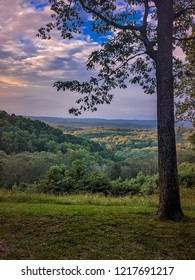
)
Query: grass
[{"x": 92, "y": 227}]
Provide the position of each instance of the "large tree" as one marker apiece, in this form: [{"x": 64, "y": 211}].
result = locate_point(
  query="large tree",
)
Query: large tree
[{"x": 143, "y": 35}]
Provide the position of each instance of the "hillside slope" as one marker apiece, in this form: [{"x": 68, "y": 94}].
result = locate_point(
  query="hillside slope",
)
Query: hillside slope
[{"x": 19, "y": 134}]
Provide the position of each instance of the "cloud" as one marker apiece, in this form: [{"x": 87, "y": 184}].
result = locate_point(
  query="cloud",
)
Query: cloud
[
  {"x": 29, "y": 66},
  {"x": 5, "y": 81},
  {"x": 35, "y": 59}
]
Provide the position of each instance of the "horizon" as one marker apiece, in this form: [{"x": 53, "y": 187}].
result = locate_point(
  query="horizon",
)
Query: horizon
[
  {"x": 77, "y": 118},
  {"x": 90, "y": 118}
]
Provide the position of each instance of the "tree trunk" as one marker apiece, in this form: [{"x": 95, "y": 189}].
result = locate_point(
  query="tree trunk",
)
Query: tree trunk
[{"x": 169, "y": 204}]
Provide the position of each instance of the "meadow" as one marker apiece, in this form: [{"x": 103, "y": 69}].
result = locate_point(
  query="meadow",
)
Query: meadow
[{"x": 40, "y": 226}]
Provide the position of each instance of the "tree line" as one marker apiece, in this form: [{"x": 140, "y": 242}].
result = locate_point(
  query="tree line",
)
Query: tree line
[{"x": 80, "y": 168}]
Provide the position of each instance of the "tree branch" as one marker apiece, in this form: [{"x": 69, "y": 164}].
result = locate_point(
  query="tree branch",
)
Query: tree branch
[
  {"x": 182, "y": 12},
  {"x": 122, "y": 64},
  {"x": 184, "y": 39},
  {"x": 143, "y": 33},
  {"x": 109, "y": 21},
  {"x": 145, "y": 17}
]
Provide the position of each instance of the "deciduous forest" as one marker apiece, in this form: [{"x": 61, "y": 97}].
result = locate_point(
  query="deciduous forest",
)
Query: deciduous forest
[{"x": 37, "y": 157}]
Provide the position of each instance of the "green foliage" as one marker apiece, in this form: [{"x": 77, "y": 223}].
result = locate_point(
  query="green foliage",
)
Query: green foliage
[
  {"x": 97, "y": 183},
  {"x": 185, "y": 82},
  {"x": 192, "y": 138},
  {"x": 127, "y": 165},
  {"x": 55, "y": 181},
  {"x": 124, "y": 188},
  {"x": 113, "y": 170},
  {"x": 150, "y": 185},
  {"x": 19, "y": 134},
  {"x": 140, "y": 184},
  {"x": 75, "y": 179},
  {"x": 25, "y": 168},
  {"x": 187, "y": 175}
]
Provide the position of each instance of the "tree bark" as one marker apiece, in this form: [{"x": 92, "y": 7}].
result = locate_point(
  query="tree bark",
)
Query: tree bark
[{"x": 169, "y": 201}]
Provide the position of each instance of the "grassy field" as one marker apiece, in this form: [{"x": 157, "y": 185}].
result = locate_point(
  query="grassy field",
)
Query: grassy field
[{"x": 93, "y": 227}]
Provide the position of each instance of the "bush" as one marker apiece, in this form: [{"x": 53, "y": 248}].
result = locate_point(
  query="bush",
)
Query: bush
[
  {"x": 60, "y": 180},
  {"x": 123, "y": 187},
  {"x": 55, "y": 181},
  {"x": 150, "y": 186},
  {"x": 141, "y": 184},
  {"x": 187, "y": 175},
  {"x": 97, "y": 183},
  {"x": 128, "y": 187}
]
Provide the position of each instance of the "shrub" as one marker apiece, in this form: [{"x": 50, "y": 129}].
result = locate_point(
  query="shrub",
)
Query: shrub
[
  {"x": 187, "y": 175},
  {"x": 97, "y": 183},
  {"x": 128, "y": 187},
  {"x": 141, "y": 184},
  {"x": 123, "y": 187},
  {"x": 150, "y": 186},
  {"x": 55, "y": 181}
]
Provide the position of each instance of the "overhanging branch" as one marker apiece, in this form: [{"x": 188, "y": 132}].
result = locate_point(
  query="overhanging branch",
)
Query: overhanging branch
[
  {"x": 109, "y": 21},
  {"x": 182, "y": 12},
  {"x": 145, "y": 17},
  {"x": 184, "y": 39}
]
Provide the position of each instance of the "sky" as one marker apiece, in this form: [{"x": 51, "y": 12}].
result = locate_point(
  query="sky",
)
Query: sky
[{"x": 29, "y": 66}]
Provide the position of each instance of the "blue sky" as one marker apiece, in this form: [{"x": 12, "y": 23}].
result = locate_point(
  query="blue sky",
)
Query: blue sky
[
  {"x": 39, "y": 5},
  {"x": 29, "y": 67}
]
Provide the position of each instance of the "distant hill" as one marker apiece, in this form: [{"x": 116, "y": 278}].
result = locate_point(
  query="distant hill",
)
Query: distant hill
[
  {"x": 99, "y": 122},
  {"x": 19, "y": 134},
  {"x": 96, "y": 122}
]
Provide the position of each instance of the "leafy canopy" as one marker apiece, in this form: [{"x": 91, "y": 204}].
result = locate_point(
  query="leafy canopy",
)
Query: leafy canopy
[
  {"x": 185, "y": 90},
  {"x": 130, "y": 52}
]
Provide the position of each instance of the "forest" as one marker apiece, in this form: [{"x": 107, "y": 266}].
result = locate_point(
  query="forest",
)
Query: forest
[{"x": 36, "y": 157}]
